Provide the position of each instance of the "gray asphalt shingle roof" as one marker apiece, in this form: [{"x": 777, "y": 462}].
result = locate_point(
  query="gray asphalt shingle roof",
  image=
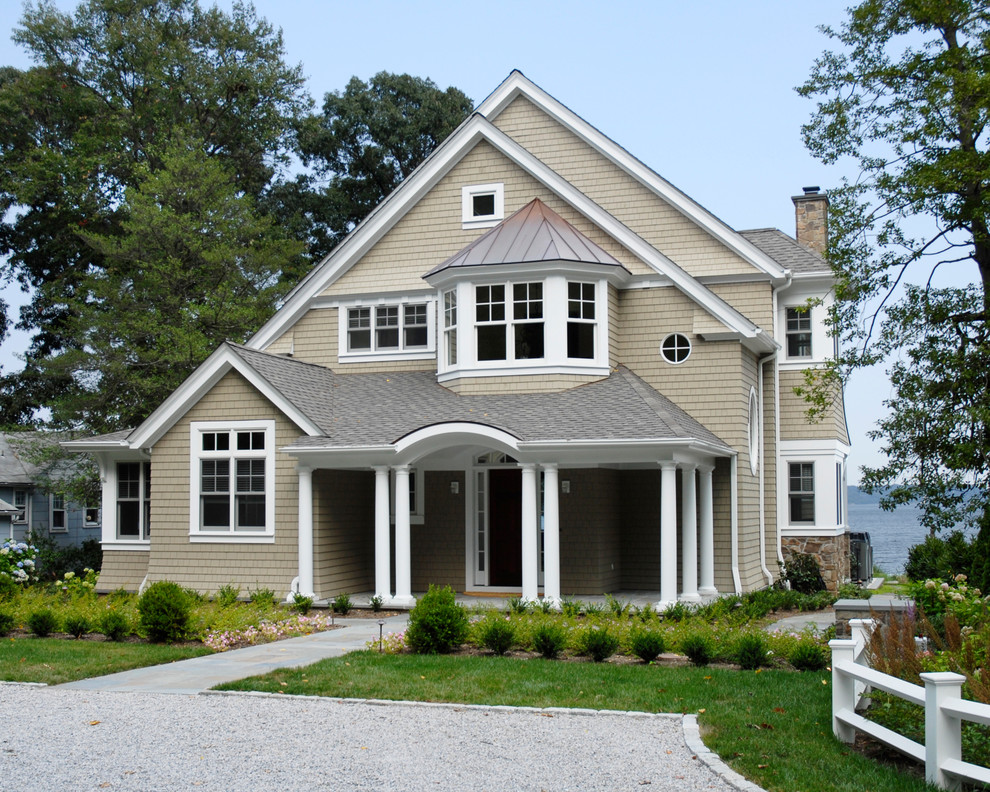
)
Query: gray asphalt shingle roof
[
  {"x": 786, "y": 251},
  {"x": 376, "y": 409}
]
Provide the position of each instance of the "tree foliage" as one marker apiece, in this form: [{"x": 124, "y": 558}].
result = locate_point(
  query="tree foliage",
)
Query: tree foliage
[
  {"x": 906, "y": 97},
  {"x": 116, "y": 86},
  {"x": 369, "y": 137}
]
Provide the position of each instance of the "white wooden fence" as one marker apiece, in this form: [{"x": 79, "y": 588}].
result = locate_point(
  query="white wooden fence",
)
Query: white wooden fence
[{"x": 941, "y": 696}]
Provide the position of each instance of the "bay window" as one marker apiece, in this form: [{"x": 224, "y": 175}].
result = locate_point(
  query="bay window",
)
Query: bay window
[{"x": 581, "y": 320}]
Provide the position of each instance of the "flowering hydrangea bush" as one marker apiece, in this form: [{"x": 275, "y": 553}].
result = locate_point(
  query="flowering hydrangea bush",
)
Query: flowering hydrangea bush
[
  {"x": 266, "y": 632},
  {"x": 965, "y": 602},
  {"x": 72, "y": 583},
  {"x": 17, "y": 561}
]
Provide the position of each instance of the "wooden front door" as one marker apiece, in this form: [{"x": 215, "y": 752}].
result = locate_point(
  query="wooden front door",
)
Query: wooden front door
[{"x": 505, "y": 521}]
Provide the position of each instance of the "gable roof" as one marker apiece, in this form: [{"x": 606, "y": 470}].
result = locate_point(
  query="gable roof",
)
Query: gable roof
[
  {"x": 530, "y": 235},
  {"x": 787, "y": 250},
  {"x": 477, "y": 128}
]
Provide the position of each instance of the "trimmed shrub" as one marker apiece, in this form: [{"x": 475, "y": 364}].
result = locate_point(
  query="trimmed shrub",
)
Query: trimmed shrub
[
  {"x": 808, "y": 656},
  {"x": 164, "y": 610},
  {"x": 750, "y": 651},
  {"x": 599, "y": 643},
  {"x": 7, "y": 622},
  {"x": 437, "y": 624},
  {"x": 646, "y": 644},
  {"x": 42, "y": 622},
  {"x": 495, "y": 632},
  {"x": 114, "y": 625},
  {"x": 342, "y": 604},
  {"x": 549, "y": 639},
  {"x": 77, "y": 626},
  {"x": 263, "y": 596},
  {"x": 699, "y": 648},
  {"x": 377, "y": 602}
]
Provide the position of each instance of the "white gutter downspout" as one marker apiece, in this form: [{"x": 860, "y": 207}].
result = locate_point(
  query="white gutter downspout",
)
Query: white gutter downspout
[
  {"x": 763, "y": 472},
  {"x": 734, "y": 518},
  {"x": 776, "y": 445}
]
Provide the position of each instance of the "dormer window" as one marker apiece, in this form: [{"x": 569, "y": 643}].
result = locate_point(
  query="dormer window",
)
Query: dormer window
[
  {"x": 387, "y": 330},
  {"x": 482, "y": 205}
]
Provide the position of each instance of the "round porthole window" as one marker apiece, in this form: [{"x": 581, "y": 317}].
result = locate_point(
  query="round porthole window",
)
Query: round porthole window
[{"x": 675, "y": 348}]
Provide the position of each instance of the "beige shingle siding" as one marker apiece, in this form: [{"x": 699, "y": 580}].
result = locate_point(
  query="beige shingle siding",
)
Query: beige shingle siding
[
  {"x": 591, "y": 531},
  {"x": 520, "y": 383},
  {"x": 752, "y": 300},
  {"x": 431, "y": 231},
  {"x": 438, "y": 544},
  {"x": 794, "y": 424},
  {"x": 122, "y": 569},
  {"x": 618, "y": 193},
  {"x": 202, "y": 566},
  {"x": 343, "y": 531}
]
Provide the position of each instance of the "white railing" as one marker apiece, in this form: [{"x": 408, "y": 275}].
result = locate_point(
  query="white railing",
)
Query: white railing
[{"x": 941, "y": 696}]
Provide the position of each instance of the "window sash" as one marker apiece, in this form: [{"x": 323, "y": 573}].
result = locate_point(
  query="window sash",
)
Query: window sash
[
  {"x": 388, "y": 328},
  {"x": 133, "y": 500},
  {"x": 801, "y": 492},
  {"x": 798, "y": 333}
]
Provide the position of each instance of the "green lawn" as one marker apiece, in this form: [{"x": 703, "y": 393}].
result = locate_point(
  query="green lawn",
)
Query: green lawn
[
  {"x": 774, "y": 727},
  {"x": 55, "y": 660}
]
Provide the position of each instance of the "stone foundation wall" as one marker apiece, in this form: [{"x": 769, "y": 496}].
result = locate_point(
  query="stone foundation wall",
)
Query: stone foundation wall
[{"x": 832, "y": 553}]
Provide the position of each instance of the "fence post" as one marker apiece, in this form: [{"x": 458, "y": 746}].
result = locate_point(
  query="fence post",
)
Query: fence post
[
  {"x": 843, "y": 687},
  {"x": 942, "y": 732}
]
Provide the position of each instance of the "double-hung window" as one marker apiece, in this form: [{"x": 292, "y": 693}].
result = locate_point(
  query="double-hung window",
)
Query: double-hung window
[
  {"x": 489, "y": 306},
  {"x": 527, "y": 320},
  {"x": 133, "y": 500},
  {"x": 499, "y": 332},
  {"x": 233, "y": 470},
  {"x": 450, "y": 326},
  {"x": 581, "y": 320},
  {"x": 801, "y": 492},
  {"x": 58, "y": 523},
  {"x": 388, "y": 328},
  {"x": 20, "y": 503},
  {"x": 798, "y": 332}
]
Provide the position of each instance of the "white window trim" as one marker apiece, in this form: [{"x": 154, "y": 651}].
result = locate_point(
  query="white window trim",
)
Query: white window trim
[
  {"x": 51, "y": 515},
  {"x": 802, "y": 311},
  {"x": 391, "y": 354},
  {"x": 555, "y": 320},
  {"x": 468, "y": 220},
  {"x": 687, "y": 357},
  {"x": 91, "y": 523},
  {"x": 196, "y": 454},
  {"x": 753, "y": 431},
  {"x": 813, "y": 492},
  {"x": 24, "y": 516},
  {"x": 824, "y": 454},
  {"x": 109, "y": 538}
]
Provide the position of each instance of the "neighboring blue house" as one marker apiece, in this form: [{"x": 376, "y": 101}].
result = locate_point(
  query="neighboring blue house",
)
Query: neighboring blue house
[{"x": 33, "y": 509}]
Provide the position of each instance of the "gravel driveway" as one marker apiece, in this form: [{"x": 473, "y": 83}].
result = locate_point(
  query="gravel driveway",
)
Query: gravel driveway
[{"x": 56, "y": 739}]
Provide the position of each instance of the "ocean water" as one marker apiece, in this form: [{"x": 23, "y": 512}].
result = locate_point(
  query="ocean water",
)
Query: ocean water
[{"x": 891, "y": 533}]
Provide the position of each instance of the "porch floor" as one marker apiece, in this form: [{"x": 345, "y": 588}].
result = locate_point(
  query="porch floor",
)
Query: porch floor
[{"x": 500, "y": 600}]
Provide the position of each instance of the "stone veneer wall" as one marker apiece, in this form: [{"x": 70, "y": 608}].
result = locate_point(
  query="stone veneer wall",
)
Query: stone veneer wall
[{"x": 832, "y": 553}]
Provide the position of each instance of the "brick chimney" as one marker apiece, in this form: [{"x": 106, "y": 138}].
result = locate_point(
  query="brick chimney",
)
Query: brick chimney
[{"x": 811, "y": 216}]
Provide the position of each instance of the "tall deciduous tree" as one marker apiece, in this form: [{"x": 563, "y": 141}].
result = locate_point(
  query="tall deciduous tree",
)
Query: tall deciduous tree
[
  {"x": 115, "y": 86},
  {"x": 369, "y": 137},
  {"x": 906, "y": 96}
]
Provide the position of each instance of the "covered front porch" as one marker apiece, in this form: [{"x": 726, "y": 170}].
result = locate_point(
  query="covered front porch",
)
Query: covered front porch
[{"x": 495, "y": 517}]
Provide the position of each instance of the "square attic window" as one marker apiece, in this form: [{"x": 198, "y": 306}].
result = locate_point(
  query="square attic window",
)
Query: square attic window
[{"x": 482, "y": 205}]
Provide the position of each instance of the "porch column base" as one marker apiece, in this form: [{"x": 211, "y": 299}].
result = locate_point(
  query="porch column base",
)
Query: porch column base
[
  {"x": 400, "y": 602},
  {"x": 662, "y": 605},
  {"x": 708, "y": 591},
  {"x": 690, "y": 597}
]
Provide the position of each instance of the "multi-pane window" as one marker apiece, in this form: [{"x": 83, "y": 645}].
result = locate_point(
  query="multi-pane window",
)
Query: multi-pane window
[
  {"x": 232, "y": 480},
  {"x": 801, "y": 491},
  {"x": 675, "y": 348},
  {"x": 581, "y": 320},
  {"x": 20, "y": 503},
  {"x": 91, "y": 516},
  {"x": 387, "y": 328},
  {"x": 527, "y": 320},
  {"x": 133, "y": 500},
  {"x": 58, "y": 524},
  {"x": 450, "y": 326},
  {"x": 798, "y": 332},
  {"x": 489, "y": 305}
]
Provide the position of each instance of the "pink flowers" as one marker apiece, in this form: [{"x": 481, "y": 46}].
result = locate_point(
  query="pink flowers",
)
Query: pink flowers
[{"x": 266, "y": 632}]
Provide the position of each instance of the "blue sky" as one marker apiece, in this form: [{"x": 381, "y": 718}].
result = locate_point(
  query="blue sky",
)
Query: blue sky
[{"x": 701, "y": 92}]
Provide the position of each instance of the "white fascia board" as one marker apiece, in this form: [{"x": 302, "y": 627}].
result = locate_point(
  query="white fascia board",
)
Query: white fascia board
[
  {"x": 495, "y": 273},
  {"x": 198, "y": 384},
  {"x": 94, "y": 446},
  {"x": 517, "y": 84},
  {"x": 607, "y": 451}
]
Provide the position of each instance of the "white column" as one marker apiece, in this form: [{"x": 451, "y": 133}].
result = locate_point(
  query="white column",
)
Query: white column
[
  {"x": 403, "y": 556},
  {"x": 689, "y": 536},
  {"x": 551, "y": 535},
  {"x": 706, "y": 537},
  {"x": 668, "y": 534},
  {"x": 383, "y": 540},
  {"x": 305, "y": 583},
  {"x": 530, "y": 536}
]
